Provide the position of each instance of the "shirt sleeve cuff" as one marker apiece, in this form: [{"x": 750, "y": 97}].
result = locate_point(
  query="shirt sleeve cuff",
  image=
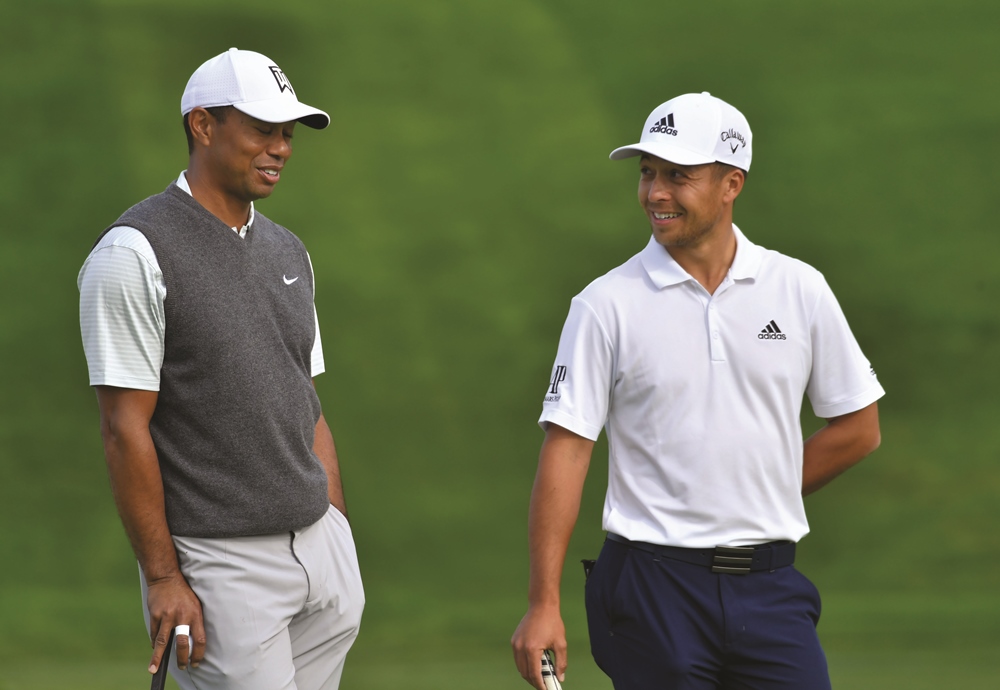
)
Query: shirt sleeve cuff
[
  {"x": 854, "y": 404},
  {"x": 578, "y": 427},
  {"x": 124, "y": 382}
]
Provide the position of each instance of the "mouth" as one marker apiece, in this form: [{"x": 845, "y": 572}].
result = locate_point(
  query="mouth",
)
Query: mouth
[
  {"x": 664, "y": 218},
  {"x": 270, "y": 174}
]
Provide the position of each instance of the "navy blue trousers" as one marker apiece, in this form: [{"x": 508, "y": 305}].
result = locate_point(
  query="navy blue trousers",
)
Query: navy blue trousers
[{"x": 657, "y": 623}]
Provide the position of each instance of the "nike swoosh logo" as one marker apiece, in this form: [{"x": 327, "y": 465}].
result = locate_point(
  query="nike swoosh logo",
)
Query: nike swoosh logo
[
  {"x": 287, "y": 281},
  {"x": 734, "y": 147}
]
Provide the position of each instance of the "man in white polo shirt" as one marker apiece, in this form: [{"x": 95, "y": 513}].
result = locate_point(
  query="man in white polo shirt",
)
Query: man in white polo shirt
[
  {"x": 200, "y": 331},
  {"x": 694, "y": 356}
]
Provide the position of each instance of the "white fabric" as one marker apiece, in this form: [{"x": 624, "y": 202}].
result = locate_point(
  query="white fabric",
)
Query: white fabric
[
  {"x": 700, "y": 401},
  {"x": 252, "y": 83},
  {"x": 694, "y": 129},
  {"x": 121, "y": 310},
  {"x": 281, "y": 610}
]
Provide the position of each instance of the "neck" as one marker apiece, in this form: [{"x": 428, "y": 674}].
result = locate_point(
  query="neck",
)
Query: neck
[
  {"x": 233, "y": 212},
  {"x": 709, "y": 260}
]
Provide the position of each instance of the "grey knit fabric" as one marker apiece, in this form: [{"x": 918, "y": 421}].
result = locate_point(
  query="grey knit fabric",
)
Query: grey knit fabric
[{"x": 236, "y": 414}]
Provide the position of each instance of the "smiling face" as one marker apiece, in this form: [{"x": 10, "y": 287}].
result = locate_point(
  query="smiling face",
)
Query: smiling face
[
  {"x": 687, "y": 204},
  {"x": 245, "y": 155}
]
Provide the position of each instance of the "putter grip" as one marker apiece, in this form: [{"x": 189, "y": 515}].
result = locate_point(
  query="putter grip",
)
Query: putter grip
[
  {"x": 160, "y": 677},
  {"x": 549, "y": 678}
]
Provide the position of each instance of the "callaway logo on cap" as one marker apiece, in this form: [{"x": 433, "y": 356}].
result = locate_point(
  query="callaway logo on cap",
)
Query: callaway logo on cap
[
  {"x": 251, "y": 83},
  {"x": 694, "y": 129}
]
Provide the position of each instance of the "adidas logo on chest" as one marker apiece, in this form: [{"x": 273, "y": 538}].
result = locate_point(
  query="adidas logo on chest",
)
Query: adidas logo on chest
[{"x": 771, "y": 332}]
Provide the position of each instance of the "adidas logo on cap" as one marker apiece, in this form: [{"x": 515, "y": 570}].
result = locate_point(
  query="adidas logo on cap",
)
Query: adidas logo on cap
[
  {"x": 664, "y": 126},
  {"x": 771, "y": 332}
]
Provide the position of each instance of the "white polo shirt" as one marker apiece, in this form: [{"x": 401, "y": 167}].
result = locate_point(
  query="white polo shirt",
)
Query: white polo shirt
[
  {"x": 700, "y": 394},
  {"x": 121, "y": 309}
]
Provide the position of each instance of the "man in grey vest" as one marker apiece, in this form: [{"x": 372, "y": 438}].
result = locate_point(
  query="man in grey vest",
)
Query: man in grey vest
[{"x": 202, "y": 341}]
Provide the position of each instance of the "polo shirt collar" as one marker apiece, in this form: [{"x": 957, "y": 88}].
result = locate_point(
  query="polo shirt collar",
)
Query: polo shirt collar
[
  {"x": 183, "y": 184},
  {"x": 746, "y": 263},
  {"x": 664, "y": 271}
]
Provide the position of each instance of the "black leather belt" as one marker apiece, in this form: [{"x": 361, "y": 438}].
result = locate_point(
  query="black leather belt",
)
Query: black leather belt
[{"x": 731, "y": 560}]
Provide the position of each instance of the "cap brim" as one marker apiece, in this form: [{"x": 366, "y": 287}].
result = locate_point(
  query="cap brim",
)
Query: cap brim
[
  {"x": 666, "y": 151},
  {"x": 285, "y": 110}
]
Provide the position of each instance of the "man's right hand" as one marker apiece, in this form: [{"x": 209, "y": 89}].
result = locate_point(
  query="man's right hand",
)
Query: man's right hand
[
  {"x": 541, "y": 628},
  {"x": 172, "y": 602}
]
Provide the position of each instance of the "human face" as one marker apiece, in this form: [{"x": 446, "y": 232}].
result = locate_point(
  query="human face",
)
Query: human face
[
  {"x": 246, "y": 155},
  {"x": 686, "y": 204}
]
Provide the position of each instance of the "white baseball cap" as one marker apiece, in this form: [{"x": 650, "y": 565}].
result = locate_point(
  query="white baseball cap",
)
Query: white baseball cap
[
  {"x": 251, "y": 83},
  {"x": 694, "y": 129}
]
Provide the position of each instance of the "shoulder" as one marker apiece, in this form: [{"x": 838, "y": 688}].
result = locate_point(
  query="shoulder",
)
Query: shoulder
[
  {"x": 784, "y": 269},
  {"x": 151, "y": 205},
  {"x": 275, "y": 232},
  {"x": 158, "y": 213},
  {"x": 615, "y": 285},
  {"x": 788, "y": 281},
  {"x": 124, "y": 241},
  {"x": 126, "y": 237}
]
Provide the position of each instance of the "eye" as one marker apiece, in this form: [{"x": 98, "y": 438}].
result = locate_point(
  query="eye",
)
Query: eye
[{"x": 264, "y": 130}]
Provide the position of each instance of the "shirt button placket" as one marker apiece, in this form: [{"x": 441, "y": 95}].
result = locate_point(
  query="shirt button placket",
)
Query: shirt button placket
[{"x": 714, "y": 340}]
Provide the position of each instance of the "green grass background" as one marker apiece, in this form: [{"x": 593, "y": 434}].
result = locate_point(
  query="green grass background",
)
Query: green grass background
[{"x": 460, "y": 198}]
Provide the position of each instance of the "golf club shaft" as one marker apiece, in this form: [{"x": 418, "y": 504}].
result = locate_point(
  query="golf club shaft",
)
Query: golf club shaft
[{"x": 160, "y": 677}]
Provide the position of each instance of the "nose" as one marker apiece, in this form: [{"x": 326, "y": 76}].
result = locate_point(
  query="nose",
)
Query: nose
[
  {"x": 279, "y": 146},
  {"x": 660, "y": 189}
]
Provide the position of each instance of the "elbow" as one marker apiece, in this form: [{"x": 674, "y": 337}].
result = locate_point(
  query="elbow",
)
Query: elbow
[
  {"x": 110, "y": 430},
  {"x": 872, "y": 440},
  {"x": 116, "y": 434},
  {"x": 869, "y": 433}
]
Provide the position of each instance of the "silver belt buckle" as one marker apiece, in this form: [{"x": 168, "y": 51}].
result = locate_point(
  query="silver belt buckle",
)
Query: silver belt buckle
[{"x": 732, "y": 560}]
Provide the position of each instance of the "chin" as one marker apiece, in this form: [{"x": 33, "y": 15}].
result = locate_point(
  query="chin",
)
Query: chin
[{"x": 666, "y": 238}]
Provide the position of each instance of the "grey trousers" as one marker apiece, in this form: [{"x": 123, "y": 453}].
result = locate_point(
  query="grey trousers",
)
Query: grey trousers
[{"x": 281, "y": 610}]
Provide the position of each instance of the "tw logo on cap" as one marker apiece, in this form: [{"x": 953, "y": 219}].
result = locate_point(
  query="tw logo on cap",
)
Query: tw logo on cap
[
  {"x": 664, "y": 126},
  {"x": 282, "y": 80}
]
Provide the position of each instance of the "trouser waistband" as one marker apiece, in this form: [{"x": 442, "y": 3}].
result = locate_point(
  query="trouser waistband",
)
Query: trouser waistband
[{"x": 731, "y": 560}]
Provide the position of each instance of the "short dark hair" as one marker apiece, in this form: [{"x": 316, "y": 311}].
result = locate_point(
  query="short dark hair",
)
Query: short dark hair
[
  {"x": 720, "y": 169},
  {"x": 219, "y": 112}
]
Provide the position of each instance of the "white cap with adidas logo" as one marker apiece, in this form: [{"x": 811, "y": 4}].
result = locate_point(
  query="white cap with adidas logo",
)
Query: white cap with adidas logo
[
  {"x": 251, "y": 83},
  {"x": 694, "y": 129}
]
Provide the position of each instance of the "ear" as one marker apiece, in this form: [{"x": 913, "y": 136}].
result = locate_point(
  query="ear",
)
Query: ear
[
  {"x": 202, "y": 126},
  {"x": 732, "y": 185}
]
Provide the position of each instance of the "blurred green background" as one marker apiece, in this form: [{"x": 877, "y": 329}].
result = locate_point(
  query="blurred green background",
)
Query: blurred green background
[{"x": 460, "y": 198}]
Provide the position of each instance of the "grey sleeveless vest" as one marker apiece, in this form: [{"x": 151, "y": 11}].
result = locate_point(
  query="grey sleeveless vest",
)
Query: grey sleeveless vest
[{"x": 235, "y": 419}]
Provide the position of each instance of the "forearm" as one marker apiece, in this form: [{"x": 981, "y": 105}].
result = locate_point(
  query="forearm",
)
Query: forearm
[
  {"x": 839, "y": 445},
  {"x": 326, "y": 451},
  {"x": 138, "y": 489},
  {"x": 134, "y": 473},
  {"x": 136, "y": 483},
  {"x": 555, "y": 505}
]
